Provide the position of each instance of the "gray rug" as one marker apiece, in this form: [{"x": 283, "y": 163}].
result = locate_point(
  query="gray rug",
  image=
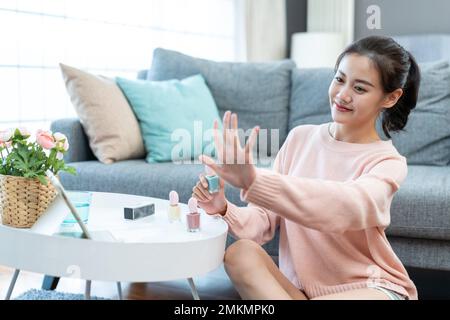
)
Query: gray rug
[{"x": 35, "y": 294}]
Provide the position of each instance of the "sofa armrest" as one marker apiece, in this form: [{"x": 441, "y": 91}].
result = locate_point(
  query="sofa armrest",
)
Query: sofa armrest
[{"x": 79, "y": 149}]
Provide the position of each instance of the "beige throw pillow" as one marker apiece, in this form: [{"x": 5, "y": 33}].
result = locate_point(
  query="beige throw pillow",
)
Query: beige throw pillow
[{"x": 107, "y": 118}]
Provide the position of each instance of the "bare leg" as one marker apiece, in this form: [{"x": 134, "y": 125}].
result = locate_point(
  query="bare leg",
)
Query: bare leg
[{"x": 255, "y": 275}]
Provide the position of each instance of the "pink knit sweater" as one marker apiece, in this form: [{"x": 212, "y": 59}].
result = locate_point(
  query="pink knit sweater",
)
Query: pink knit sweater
[{"x": 331, "y": 200}]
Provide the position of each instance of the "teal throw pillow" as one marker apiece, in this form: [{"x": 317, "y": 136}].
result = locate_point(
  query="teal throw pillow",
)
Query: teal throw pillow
[{"x": 175, "y": 116}]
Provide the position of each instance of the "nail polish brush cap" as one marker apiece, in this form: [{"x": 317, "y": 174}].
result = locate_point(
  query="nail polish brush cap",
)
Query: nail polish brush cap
[
  {"x": 192, "y": 204},
  {"x": 173, "y": 198}
]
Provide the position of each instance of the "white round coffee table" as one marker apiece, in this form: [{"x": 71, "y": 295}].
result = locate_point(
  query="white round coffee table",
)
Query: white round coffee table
[{"x": 149, "y": 249}]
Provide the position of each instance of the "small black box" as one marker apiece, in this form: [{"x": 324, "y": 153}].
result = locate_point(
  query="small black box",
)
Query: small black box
[{"x": 140, "y": 211}]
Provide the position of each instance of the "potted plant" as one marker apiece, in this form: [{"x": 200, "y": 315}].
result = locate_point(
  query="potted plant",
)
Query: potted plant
[{"x": 25, "y": 191}]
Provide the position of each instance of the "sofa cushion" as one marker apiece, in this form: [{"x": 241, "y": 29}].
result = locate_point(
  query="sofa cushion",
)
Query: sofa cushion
[
  {"x": 309, "y": 99},
  {"x": 105, "y": 115},
  {"x": 424, "y": 254},
  {"x": 134, "y": 177},
  {"x": 175, "y": 117},
  {"x": 142, "y": 178},
  {"x": 258, "y": 92},
  {"x": 420, "y": 208},
  {"x": 426, "y": 139}
]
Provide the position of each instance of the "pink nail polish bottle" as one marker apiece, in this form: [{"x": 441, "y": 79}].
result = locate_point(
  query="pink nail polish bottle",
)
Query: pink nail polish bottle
[
  {"x": 193, "y": 217},
  {"x": 174, "y": 211}
]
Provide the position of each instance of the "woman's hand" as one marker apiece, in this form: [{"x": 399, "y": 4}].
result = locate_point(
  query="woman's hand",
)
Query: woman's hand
[
  {"x": 235, "y": 162},
  {"x": 211, "y": 203}
]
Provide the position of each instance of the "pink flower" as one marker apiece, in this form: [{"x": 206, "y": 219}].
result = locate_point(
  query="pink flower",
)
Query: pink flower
[
  {"x": 6, "y": 144},
  {"x": 45, "y": 139},
  {"x": 6, "y": 135},
  {"x": 24, "y": 132},
  {"x": 61, "y": 141}
]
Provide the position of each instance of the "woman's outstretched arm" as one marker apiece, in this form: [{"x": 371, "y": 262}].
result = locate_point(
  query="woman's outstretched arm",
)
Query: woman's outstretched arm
[{"x": 331, "y": 206}]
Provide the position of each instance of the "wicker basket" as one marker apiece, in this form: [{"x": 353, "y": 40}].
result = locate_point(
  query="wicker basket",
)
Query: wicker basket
[{"x": 23, "y": 200}]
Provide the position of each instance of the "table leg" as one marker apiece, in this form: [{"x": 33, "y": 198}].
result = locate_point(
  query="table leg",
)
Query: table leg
[
  {"x": 193, "y": 289},
  {"x": 119, "y": 290},
  {"x": 87, "y": 290},
  {"x": 12, "y": 284}
]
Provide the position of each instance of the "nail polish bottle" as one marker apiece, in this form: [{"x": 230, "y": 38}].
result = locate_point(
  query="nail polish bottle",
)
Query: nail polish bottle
[
  {"x": 193, "y": 217},
  {"x": 174, "y": 212},
  {"x": 213, "y": 180}
]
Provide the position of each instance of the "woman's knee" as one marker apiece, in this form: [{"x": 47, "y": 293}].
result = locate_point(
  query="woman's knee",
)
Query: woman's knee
[{"x": 242, "y": 255}]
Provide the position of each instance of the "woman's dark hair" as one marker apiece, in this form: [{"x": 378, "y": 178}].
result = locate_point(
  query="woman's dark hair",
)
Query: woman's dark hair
[{"x": 397, "y": 69}]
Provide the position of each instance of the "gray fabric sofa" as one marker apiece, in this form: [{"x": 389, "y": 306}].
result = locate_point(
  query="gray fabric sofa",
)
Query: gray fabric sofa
[{"x": 420, "y": 214}]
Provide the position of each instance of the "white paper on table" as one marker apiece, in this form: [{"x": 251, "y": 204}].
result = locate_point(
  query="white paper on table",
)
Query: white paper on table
[{"x": 49, "y": 222}]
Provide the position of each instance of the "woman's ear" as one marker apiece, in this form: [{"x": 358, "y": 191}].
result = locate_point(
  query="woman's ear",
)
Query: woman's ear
[{"x": 392, "y": 98}]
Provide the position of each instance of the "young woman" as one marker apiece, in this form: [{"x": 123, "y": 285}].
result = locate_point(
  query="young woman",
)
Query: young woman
[{"x": 329, "y": 191}]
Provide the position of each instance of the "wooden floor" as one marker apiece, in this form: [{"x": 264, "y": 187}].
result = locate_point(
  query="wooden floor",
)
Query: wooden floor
[{"x": 213, "y": 286}]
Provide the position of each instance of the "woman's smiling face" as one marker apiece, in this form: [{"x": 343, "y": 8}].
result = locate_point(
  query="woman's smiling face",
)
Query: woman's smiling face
[{"x": 356, "y": 94}]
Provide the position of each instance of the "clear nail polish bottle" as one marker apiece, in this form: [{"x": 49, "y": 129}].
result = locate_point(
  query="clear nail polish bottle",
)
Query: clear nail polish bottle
[{"x": 174, "y": 211}]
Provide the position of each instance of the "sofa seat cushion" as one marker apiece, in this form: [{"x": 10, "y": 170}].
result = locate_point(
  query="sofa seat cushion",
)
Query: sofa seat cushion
[
  {"x": 421, "y": 207},
  {"x": 140, "y": 178},
  {"x": 134, "y": 177}
]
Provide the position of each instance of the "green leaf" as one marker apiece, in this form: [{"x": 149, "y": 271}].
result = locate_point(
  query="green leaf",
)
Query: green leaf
[
  {"x": 22, "y": 151},
  {"x": 42, "y": 179},
  {"x": 71, "y": 170},
  {"x": 30, "y": 160},
  {"x": 18, "y": 163},
  {"x": 29, "y": 175}
]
